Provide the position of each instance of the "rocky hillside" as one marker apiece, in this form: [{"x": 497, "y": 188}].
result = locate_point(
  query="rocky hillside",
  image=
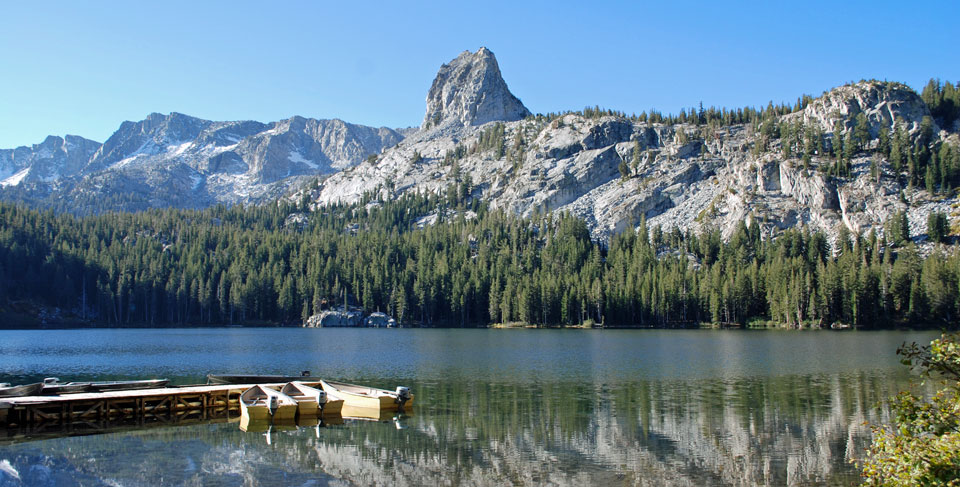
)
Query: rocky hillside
[
  {"x": 181, "y": 161},
  {"x": 850, "y": 158}
]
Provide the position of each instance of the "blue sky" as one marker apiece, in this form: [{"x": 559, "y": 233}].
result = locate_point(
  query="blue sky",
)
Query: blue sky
[{"x": 84, "y": 67}]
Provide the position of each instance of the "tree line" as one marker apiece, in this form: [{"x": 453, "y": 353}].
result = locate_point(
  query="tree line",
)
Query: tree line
[{"x": 278, "y": 264}]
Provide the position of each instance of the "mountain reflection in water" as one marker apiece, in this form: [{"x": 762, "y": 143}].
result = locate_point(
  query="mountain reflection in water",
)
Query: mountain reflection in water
[{"x": 766, "y": 430}]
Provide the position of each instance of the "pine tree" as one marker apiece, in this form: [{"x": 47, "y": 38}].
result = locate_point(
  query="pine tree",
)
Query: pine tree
[
  {"x": 624, "y": 170},
  {"x": 861, "y": 131},
  {"x": 937, "y": 227},
  {"x": 837, "y": 140},
  {"x": 930, "y": 179}
]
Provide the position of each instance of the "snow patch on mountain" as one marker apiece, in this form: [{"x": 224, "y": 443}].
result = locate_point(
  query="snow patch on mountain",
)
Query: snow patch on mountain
[{"x": 16, "y": 178}]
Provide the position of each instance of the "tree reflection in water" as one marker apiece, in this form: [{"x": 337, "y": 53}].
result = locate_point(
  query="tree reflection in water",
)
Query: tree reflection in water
[{"x": 768, "y": 430}]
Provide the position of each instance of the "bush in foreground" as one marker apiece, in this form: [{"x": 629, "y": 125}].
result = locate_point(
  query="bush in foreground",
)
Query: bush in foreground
[{"x": 923, "y": 445}]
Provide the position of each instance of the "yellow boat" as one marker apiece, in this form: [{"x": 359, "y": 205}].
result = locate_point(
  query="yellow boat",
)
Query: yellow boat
[
  {"x": 308, "y": 399},
  {"x": 260, "y": 403},
  {"x": 369, "y": 397},
  {"x": 333, "y": 406},
  {"x": 312, "y": 401}
]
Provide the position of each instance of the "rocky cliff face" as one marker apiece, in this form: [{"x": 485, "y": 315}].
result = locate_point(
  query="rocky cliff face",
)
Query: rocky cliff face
[
  {"x": 470, "y": 91},
  {"x": 681, "y": 176},
  {"x": 182, "y": 161}
]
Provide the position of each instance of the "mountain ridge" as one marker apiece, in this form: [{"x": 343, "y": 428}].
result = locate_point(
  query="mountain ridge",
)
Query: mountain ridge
[
  {"x": 851, "y": 158},
  {"x": 691, "y": 174},
  {"x": 177, "y": 160}
]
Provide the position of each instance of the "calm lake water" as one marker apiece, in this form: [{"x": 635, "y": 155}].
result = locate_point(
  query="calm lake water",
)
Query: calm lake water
[{"x": 493, "y": 407}]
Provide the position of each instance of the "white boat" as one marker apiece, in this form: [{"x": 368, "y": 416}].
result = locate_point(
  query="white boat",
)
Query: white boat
[
  {"x": 369, "y": 397},
  {"x": 260, "y": 403}
]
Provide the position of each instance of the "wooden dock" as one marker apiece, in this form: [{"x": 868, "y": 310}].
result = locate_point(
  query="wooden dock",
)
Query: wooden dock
[{"x": 86, "y": 413}]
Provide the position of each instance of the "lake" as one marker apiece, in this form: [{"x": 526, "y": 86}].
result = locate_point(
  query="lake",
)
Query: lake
[{"x": 493, "y": 407}]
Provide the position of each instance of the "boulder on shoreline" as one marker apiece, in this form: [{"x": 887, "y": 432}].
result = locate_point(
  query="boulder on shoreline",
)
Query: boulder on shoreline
[{"x": 353, "y": 318}]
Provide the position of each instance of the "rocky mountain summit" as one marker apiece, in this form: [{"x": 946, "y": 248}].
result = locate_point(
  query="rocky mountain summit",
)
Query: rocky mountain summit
[
  {"x": 181, "y": 161},
  {"x": 782, "y": 167},
  {"x": 46, "y": 162},
  {"x": 470, "y": 91}
]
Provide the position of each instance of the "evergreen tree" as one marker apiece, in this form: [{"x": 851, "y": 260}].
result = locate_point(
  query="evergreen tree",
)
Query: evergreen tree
[{"x": 937, "y": 227}]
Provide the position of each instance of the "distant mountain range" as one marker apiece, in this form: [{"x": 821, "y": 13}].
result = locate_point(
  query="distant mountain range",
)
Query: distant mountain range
[
  {"x": 180, "y": 161},
  {"x": 783, "y": 170}
]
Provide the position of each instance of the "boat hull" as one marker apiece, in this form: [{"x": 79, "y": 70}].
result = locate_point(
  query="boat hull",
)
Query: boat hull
[
  {"x": 369, "y": 414},
  {"x": 24, "y": 390},
  {"x": 260, "y": 403},
  {"x": 127, "y": 385},
  {"x": 365, "y": 397},
  {"x": 307, "y": 408},
  {"x": 285, "y": 413},
  {"x": 254, "y": 413},
  {"x": 332, "y": 407},
  {"x": 255, "y": 379},
  {"x": 68, "y": 388}
]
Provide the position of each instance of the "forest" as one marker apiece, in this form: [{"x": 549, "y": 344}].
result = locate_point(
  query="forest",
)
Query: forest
[{"x": 278, "y": 264}]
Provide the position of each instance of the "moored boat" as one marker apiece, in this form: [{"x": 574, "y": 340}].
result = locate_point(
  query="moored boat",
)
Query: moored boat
[
  {"x": 260, "y": 403},
  {"x": 21, "y": 390},
  {"x": 126, "y": 385},
  {"x": 369, "y": 397},
  {"x": 309, "y": 400},
  {"x": 312, "y": 401},
  {"x": 53, "y": 387},
  {"x": 257, "y": 379}
]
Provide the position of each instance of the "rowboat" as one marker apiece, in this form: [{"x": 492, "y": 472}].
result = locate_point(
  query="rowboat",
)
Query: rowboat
[
  {"x": 309, "y": 400},
  {"x": 312, "y": 401},
  {"x": 24, "y": 390},
  {"x": 260, "y": 403},
  {"x": 256, "y": 379},
  {"x": 127, "y": 385},
  {"x": 369, "y": 397},
  {"x": 53, "y": 387}
]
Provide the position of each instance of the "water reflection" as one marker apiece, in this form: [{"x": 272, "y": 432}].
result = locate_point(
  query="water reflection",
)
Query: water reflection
[{"x": 766, "y": 430}]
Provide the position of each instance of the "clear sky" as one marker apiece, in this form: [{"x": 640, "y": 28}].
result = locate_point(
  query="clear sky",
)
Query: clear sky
[{"x": 84, "y": 67}]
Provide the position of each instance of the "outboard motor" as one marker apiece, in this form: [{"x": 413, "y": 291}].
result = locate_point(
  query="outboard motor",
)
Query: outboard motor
[
  {"x": 321, "y": 399},
  {"x": 403, "y": 395},
  {"x": 274, "y": 404}
]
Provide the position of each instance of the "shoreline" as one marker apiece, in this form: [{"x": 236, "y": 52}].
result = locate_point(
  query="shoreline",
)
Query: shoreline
[{"x": 704, "y": 326}]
